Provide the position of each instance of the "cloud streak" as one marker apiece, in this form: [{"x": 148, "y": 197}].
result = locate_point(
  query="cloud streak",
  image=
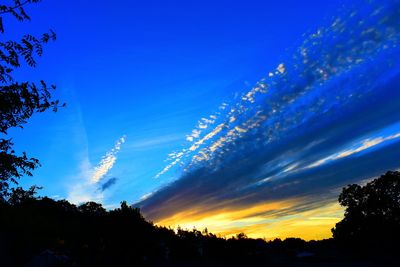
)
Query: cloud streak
[
  {"x": 326, "y": 116},
  {"x": 107, "y": 162}
]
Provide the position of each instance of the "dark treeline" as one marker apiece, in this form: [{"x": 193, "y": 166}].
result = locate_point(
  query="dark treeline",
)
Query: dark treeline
[{"x": 39, "y": 231}]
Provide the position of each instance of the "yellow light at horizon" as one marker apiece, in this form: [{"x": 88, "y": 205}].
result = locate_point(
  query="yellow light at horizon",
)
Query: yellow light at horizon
[{"x": 262, "y": 221}]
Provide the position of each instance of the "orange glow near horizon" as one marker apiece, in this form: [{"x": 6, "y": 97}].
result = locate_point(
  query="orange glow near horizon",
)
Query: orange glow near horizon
[{"x": 262, "y": 221}]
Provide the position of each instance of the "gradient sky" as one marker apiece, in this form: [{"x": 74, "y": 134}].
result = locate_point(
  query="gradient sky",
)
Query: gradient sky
[{"x": 232, "y": 115}]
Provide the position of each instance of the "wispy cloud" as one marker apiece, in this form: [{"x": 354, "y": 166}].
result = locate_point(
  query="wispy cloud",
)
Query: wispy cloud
[
  {"x": 334, "y": 100},
  {"x": 107, "y": 162},
  {"x": 153, "y": 142},
  {"x": 90, "y": 186},
  {"x": 362, "y": 146},
  {"x": 278, "y": 219}
]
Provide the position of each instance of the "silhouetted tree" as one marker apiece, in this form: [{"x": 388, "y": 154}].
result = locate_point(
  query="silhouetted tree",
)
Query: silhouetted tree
[
  {"x": 19, "y": 195},
  {"x": 19, "y": 100},
  {"x": 372, "y": 216},
  {"x": 35, "y": 229},
  {"x": 241, "y": 236},
  {"x": 92, "y": 208}
]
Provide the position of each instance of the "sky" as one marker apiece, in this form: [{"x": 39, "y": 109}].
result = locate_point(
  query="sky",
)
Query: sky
[{"x": 238, "y": 116}]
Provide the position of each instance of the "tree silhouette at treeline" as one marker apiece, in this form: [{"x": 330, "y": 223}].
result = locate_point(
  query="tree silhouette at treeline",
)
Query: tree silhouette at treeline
[
  {"x": 37, "y": 230},
  {"x": 19, "y": 100},
  {"x": 372, "y": 215}
]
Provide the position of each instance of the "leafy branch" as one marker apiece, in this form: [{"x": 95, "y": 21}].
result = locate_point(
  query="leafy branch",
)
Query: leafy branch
[{"x": 20, "y": 100}]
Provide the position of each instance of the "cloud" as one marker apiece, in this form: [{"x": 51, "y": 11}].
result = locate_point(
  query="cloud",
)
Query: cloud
[
  {"x": 315, "y": 224},
  {"x": 327, "y": 116},
  {"x": 87, "y": 189},
  {"x": 365, "y": 144},
  {"x": 84, "y": 192},
  {"x": 107, "y": 162},
  {"x": 153, "y": 142},
  {"x": 107, "y": 184}
]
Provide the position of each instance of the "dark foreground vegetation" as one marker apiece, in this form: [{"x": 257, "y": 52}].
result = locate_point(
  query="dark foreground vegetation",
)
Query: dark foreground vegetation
[{"x": 39, "y": 231}]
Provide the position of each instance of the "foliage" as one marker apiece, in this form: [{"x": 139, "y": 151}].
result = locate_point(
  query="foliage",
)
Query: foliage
[
  {"x": 35, "y": 228},
  {"x": 372, "y": 216},
  {"x": 19, "y": 100},
  {"x": 91, "y": 208},
  {"x": 19, "y": 195},
  {"x": 88, "y": 235}
]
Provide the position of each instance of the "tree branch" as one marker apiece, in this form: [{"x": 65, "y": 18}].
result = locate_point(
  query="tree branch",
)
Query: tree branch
[{"x": 14, "y": 7}]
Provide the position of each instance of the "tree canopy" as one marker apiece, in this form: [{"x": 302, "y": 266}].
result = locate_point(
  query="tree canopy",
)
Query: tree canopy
[
  {"x": 35, "y": 228},
  {"x": 372, "y": 214},
  {"x": 19, "y": 100}
]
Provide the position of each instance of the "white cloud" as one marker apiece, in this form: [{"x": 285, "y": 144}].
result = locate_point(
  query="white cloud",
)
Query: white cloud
[
  {"x": 107, "y": 162},
  {"x": 363, "y": 145},
  {"x": 84, "y": 192}
]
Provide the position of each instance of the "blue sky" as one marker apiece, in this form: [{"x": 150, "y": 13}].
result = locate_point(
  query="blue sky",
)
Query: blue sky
[{"x": 144, "y": 83}]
